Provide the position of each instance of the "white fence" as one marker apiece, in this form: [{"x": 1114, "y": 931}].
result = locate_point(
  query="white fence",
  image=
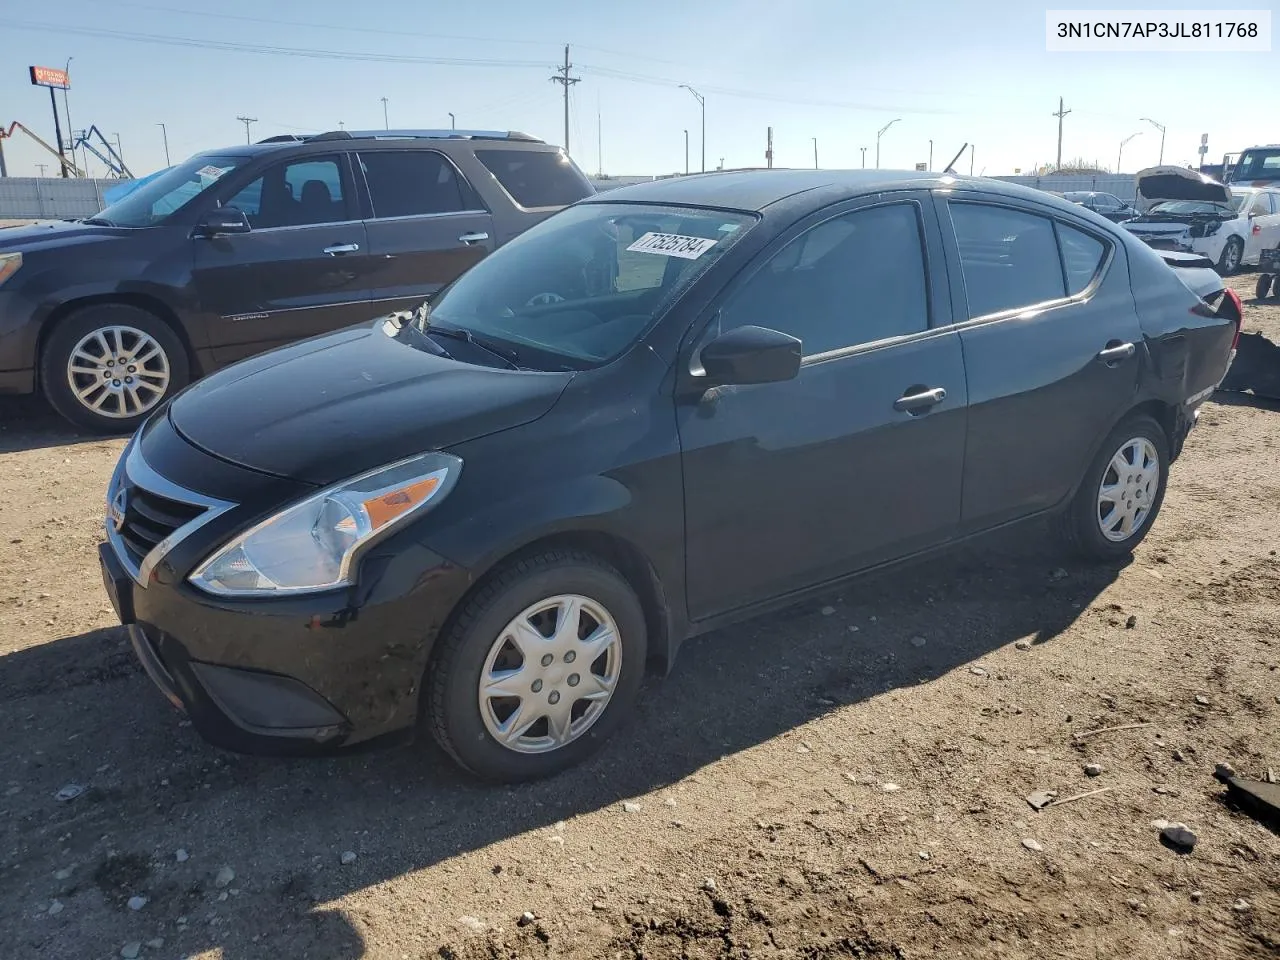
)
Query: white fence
[{"x": 48, "y": 198}]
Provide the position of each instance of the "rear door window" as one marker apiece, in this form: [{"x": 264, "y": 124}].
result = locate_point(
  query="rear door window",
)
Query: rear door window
[
  {"x": 412, "y": 183},
  {"x": 1009, "y": 258},
  {"x": 537, "y": 178}
]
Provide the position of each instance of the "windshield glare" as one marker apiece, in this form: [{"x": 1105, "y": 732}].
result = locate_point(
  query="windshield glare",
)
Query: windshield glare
[
  {"x": 152, "y": 202},
  {"x": 585, "y": 284},
  {"x": 1258, "y": 165},
  {"x": 1195, "y": 206}
]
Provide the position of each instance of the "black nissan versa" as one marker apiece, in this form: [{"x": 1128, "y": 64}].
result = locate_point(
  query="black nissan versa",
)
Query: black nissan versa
[
  {"x": 235, "y": 251},
  {"x": 660, "y": 410}
]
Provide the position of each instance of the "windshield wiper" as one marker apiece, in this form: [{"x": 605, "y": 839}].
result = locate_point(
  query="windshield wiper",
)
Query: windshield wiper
[
  {"x": 510, "y": 357},
  {"x": 98, "y": 221}
]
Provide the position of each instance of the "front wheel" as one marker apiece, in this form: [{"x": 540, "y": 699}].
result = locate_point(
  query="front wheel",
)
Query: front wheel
[
  {"x": 1232, "y": 254},
  {"x": 541, "y": 665},
  {"x": 1121, "y": 493},
  {"x": 106, "y": 367}
]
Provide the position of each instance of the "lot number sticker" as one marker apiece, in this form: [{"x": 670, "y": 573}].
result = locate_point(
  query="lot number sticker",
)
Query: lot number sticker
[{"x": 673, "y": 245}]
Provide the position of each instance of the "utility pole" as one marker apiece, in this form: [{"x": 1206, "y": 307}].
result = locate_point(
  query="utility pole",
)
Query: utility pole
[
  {"x": 246, "y": 121},
  {"x": 879, "y": 134},
  {"x": 599, "y": 140},
  {"x": 1160, "y": 127},
  {"x": 562, "y": 77},
  {"x": 815, "y": 153},
  {"x": 930, "y": 155},
  {"x": 1062, "y": 112},
  {"x": 165, "y": 133},
  {"x": 686, "y": 153},
  {"x": 453, "y": 123},
  {"x": 864, "y": 157},
  {"x": 386, "y": 124},
  {"x": 42, "y": 167},
  {"x": 702, "y": 103},
  {"x": 768, "y": 148},
  {"x": 971, "y": 149}
]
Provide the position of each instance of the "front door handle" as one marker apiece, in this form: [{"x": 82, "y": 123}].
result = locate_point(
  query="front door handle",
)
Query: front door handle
[
  {"x": 1115, "y": 352},
  {"x": 470, "y": 238},
  {"x": 920, "y": 401},
  {"x": 338, "y": 249}
]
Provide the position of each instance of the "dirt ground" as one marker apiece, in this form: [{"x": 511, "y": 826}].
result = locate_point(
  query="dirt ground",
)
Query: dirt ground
[{"x": 843, "y": 779}]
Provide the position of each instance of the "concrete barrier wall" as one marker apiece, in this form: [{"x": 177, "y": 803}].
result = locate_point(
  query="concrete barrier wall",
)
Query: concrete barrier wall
[{"x": 48, "y": 198}]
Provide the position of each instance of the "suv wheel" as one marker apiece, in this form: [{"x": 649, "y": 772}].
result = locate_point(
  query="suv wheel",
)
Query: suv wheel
[
  {"x": 1121, "y": 493},
  {"x": 542, "y": 664},
  {"x": 106, "y": 367}
]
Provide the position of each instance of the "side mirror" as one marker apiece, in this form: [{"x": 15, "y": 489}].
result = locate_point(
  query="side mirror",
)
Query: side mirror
[
  {"x": 223, "y": 221},
  {"x": 751, "y": 355}
]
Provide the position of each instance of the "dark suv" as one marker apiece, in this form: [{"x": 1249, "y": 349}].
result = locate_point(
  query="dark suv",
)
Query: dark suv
[{"x": 240, "y": 250}]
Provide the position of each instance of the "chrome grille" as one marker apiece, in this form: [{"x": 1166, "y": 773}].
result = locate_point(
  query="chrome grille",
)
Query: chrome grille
[{"x": 150, "y": 518}]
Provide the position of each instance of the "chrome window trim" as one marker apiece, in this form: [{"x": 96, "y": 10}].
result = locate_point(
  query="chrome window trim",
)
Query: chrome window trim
[{"x": 141, "y": 474}]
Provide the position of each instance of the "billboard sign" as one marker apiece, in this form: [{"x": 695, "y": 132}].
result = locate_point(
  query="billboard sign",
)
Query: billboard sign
[{"x": 50, "y": 77}]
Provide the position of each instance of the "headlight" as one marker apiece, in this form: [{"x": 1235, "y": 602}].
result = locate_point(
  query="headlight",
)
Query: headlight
[
  {"x": 313, "y": 544},
  {"x": 1211, "y": 228},
  {"x": 9, "y": 264}
]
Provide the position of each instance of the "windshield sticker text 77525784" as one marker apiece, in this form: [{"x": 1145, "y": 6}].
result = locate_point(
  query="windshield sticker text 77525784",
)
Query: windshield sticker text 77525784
[{"x": 672, "y": 245}]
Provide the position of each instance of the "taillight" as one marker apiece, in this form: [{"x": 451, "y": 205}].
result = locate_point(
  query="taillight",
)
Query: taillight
[{"x": 1239, "y": 311}]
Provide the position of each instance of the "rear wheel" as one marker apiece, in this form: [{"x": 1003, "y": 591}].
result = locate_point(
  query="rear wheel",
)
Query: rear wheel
[
  {"x": 1229, "y": 260},
  {"x": 106, "y": 367},
  {"x": 1121, "y": 493},
  {"x": 542, "y": 664},
  {"x": 1263, "y": 287}
]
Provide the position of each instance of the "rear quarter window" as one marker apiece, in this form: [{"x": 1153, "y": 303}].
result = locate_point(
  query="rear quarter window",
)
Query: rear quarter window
[
  {"x": 537, "y": 178},
  {"x": 1082, "y": 256}
]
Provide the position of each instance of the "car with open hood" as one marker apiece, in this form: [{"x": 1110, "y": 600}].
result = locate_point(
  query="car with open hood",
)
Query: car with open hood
[
  {"x": 1187, "y": 211},
  {"x": 663, "y": 410}
]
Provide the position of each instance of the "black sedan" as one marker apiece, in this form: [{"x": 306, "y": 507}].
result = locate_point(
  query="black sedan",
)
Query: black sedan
[
  {"x": 1104, "y": 204},
  {"x": 664, "y": 409}
]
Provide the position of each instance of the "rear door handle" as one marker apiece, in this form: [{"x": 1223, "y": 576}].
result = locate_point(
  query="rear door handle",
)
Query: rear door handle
[
  {"x": 470, "y": 238},
  {"x": 920, "y": 401},
  {"x": 338, "y": 249},
  {"x": 1115, "y": 352}
]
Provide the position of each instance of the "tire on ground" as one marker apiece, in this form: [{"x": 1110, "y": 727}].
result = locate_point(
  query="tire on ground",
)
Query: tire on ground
[
  {"x": 1081, "y": 525},
  {"x": 110, "y": 417},
  {"x": 451, "y": 688}
]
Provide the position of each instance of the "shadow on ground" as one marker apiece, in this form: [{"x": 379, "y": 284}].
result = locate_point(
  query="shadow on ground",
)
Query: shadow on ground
[
  {"x": 28, "y": 423},
  {"x": 84, "y": 705}
]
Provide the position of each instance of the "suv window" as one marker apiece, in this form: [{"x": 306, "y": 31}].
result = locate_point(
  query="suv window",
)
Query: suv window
[
  {"x": 411, "y": 183},
  {"x": 854, "y": 279},
  {"x": 1009, "y": 259},
  {"x": 537, "y": 178},
  {"x": 1082, "y": 256},
  {"x": 294, "y": 194}
]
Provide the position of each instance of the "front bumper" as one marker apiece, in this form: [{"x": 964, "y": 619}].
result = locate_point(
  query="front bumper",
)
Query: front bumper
[{"x": 292, "y": 675}]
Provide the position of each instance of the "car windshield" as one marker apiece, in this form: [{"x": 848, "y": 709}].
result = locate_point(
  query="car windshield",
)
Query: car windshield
[
  {"x": 581, "y": 287},
  {"x": 1184, "y": 207},
  {"x": 1258, "y": 165},
  {"x": 156, "y": 200}
]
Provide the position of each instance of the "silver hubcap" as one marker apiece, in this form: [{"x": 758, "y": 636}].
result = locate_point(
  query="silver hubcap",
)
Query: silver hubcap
[
  {"x": 550, "y": 674},
  {"x": 118, "y": 372},
  {"x": 1128, "y": 489},
  {"x": 1231, "y": 259}
]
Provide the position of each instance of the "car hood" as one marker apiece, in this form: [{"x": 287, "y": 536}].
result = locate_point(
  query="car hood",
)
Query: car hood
[
  {"x": 1176, "y": 183},
  {"x": 334, "y": 406},
  {"x": 56, "y": 233}
]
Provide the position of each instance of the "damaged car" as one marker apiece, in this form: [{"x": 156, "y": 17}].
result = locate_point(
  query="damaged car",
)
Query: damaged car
[{"x": 1186, "y": 211}]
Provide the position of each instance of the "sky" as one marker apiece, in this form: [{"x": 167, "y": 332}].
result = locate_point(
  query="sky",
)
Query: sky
[{"x": 834, "y": 70}]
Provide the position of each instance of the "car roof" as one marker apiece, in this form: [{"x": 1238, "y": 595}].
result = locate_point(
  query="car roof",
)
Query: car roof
[
  {"x": 435, "y": 137},
  {"x": 753, "y": 191}
]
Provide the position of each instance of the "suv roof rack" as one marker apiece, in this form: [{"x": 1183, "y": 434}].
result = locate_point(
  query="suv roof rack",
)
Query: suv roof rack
[
  {"x": 421, "y": 135},
  {"x": 285, "y": 138}
]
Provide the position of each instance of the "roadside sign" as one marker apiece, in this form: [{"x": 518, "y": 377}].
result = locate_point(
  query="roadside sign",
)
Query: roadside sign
[
  {"x": 922, "y": 166},
  {"x": 1204, "y": 138},
  {"x": 1203, "y": 149},
  {"x": 49, "y": 77}
]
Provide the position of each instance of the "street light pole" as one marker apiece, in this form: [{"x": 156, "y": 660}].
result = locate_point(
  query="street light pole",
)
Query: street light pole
[
  {"x": 686, "y": 153},
  {"x": 165, "y": 133},
  {"x": 1120, "y": 155},
  {"x": 453, "y": 123},
  {"x": 386, "y": 124},
  {"x": 815, "y": 153},
  {"x": 702, "y": 104},
  {"x": 864, "y": 157},
  {"x": 1160, "y": 127},
  {"x": 879, "y": 134},
  {"x": 930, "y": 154}
]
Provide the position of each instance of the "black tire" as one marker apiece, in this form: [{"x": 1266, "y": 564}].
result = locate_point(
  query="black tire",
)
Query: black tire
[
  {"x": 55, "y": 358},
  {"x": 451, "y": 686},
  {"x": 1275, "y": 286},
  {"x": 1081, "y": 524},
  {"x": 1263, "y": 287},
  {"x": 1233, "y": 244}
]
